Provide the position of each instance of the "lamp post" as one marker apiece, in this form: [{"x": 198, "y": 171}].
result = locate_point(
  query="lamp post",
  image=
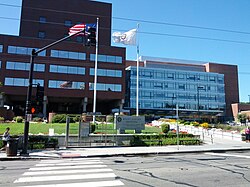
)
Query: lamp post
[{"x": 198, "y": 100}]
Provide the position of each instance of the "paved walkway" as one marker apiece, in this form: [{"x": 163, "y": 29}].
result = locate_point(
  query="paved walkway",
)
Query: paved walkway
[{"x": 210, "y": 145}]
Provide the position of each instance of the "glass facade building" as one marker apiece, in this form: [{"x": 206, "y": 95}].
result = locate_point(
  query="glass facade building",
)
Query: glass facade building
[{"x": 160, "y": 90}]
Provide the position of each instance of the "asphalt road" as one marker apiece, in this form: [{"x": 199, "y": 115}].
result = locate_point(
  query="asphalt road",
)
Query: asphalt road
[{"x": 191, "y": 170}]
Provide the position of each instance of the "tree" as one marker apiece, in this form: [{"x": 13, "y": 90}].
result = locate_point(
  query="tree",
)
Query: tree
[{"x": 242, "y": 117}]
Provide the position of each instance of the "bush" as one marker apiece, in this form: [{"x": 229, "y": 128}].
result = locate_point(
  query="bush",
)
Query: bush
[
  {"x": 110, "y": 118},
  {"x": 37, "y": 119},
  {"x": 19, "y": 119},
  {"x": 59, "y": 118},
  {"x": 195, "y": 124},
  {"x": 186, "y": 123},
  {"x": 1, "y": 118},
  {"x": 205, "y": 125},
  {"x": 76, "y": 118},
  {"x": 165, "y": 127}
]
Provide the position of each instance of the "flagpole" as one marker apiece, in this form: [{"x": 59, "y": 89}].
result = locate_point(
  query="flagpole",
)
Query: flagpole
[
  {"x": 95, "y": 79},
  {"x": 137, "y": 74}
]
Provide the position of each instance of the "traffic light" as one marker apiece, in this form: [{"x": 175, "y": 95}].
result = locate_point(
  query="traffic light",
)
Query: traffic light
[
  {"x": 90, "y": 35},
  {"x": 39, "y": 94}
]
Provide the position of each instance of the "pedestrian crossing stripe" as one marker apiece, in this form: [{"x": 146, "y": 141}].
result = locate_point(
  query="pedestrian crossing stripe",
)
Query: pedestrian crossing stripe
[
  {"x": 65, "y": 177},
  {"x": 34, "y": 173},
  {"x": 66, "y": 167},
  {"x": 82, "y": 170},
  {"x": 69, "y": 163},
  {"x": 84, "y": 184}
]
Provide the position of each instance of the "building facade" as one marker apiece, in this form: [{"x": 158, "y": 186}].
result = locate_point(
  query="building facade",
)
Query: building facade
[
  {"x": 44, "y": 22},
  {"x": 168, "y": 85}
]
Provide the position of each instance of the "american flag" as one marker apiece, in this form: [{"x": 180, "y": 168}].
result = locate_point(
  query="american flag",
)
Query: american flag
[
  {"x": 81, "y": 27},
  {"x": 77, "y": 28}
]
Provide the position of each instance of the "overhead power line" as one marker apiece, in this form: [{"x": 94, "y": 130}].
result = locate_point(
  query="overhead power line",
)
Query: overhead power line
[{"x": 138, "y": 20}]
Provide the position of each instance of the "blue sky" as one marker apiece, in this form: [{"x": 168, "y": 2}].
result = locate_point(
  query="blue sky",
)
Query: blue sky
[{"x": 179, "y": 21}]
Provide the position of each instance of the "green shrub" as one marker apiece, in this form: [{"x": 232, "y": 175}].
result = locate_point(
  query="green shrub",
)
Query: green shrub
[
  {"x": 19, "y": 119},
  {"x": 37, "y": 119},
  {"x": 165, "y": 127},
  {"x": 76, "y": 118},
  {"x": 92, "y": 128},
  {"x": 59, "y": 118},
  {"x": 1, "y": 118},
  {"x": 110, "y": 118},
  {"x": 186, "y": 123}
]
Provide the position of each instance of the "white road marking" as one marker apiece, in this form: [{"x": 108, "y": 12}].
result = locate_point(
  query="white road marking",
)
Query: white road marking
[
  {"x": 84, "y": 184},
  {"x": 70, "y": 160},
  {"x": 69, "y": 163},
  {"x": 65, "y": 177},
  {"x": 66, "y": 172},
  {"x": 66, "y": 167},
  {"x": 230, "y": 155}
]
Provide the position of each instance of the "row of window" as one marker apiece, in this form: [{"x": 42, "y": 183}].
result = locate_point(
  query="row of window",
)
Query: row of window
[
  {"x": 155, "y": 95},
  {"x": 67, "y": 23},
  {"x": 106, "y": 58},
  {"x": 24, "y": 66},
  {"x": 23, "y": 50},
  {"x": 106, "y": 87},
  {"x": 62, "y": 69},
  {"x": 178, "y": 75},
  {"x": 181, "y": 106},
  {"x": 67, "y": 69},
  {"x": 63, "y": 54},
  {"x": 68, "y": 54},
  {"x": 21, "y": 81},
  {"x": 106, "y": 72},
  {"x": 147, "y": 85},
  {"x": 9, "y": 81}
]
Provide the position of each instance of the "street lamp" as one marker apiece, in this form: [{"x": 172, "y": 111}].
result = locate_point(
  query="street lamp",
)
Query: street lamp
[{"x": 198, "y": 100}]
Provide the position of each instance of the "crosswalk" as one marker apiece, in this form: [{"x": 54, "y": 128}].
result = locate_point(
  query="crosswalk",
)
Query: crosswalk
[{"x": 84, "y": 172}]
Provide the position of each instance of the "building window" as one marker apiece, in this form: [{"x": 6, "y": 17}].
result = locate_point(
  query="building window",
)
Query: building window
[
  {"x": 41, "y": 34},
  {"x": 0, "y": 64},
  {"x": 23, "y": 50},
  {"x": 68, "y": 54},
  {"x": 68, "y": 23},
  {"x": 66, "y": 84},
  {"x": 106, "y": 72},
  {"x": 106, "y": 87},
  {"x": 1, "y": 48},
  {"x": 67, "y": 69},
  {"x": 24, "y": 66},
  {"x": 9, "y": 81},
  {"x": 42, "y": 19},
  {"x": 107, "y": 58}
]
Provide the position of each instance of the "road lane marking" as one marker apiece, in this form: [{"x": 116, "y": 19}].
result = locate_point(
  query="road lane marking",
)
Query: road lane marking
[
  {"x": 84, "y": 184},
  {"x": 66, "y": 172},
  {"x": 66, "y": 167},
  {"x": 68, "y": 163},
  {"x": 229, "y": 155},
  {"x": 65, "y": 177}
]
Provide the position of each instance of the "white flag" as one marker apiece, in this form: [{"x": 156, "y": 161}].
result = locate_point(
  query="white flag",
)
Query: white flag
[{"x": 127, "y": 38}]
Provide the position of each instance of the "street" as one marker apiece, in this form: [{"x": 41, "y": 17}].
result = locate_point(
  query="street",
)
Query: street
[{"x": 195, "y": 170}]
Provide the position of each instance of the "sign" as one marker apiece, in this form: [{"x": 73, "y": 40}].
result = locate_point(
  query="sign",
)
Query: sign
[
  {"x": 84, "y": 129},
  {"x": 29, "y": 117},
  {"x": 136, "y": 123}
]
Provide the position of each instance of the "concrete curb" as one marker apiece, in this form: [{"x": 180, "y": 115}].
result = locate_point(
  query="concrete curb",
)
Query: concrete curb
[{"x": 77, "y": 154}]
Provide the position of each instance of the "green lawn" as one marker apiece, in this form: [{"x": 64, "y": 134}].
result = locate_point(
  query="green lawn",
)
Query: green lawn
[{"x": 59, "y": 128}]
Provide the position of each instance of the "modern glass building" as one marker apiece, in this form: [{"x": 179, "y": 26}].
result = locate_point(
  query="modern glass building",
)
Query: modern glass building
[{"x": 164, "y": 87}]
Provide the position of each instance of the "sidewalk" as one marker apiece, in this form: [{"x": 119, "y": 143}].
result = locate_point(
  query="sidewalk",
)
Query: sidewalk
[{"x": 218, "y": 144}]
